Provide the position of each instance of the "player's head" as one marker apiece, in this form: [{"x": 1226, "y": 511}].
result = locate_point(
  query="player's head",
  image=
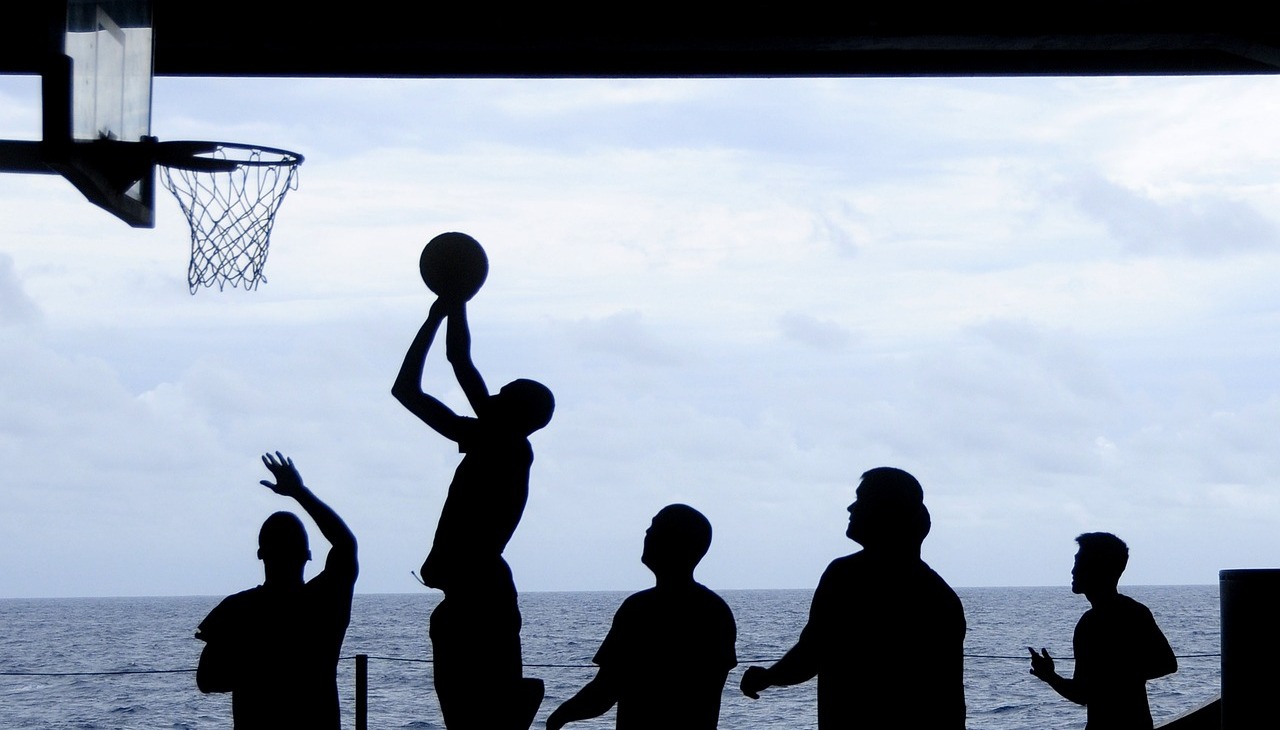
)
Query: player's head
[
  {"x": 888, "y": 510},
  {"x": 676, "y": 540},
  {"x": 283, "y": 540},
  {"x": 1100, "y": 561},
  {"x": 527, "y": 404}
]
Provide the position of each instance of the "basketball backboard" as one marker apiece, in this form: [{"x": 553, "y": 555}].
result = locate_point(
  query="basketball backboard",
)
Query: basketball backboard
[
  {"x": 97, "y": 106},
  {"x": 96, "y": 88}
]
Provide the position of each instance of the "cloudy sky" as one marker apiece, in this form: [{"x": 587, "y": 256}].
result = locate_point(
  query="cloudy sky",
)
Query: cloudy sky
[{"x": 1053, "y": 300}]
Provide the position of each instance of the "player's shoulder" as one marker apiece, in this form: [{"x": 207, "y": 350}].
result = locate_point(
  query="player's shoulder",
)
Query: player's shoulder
[
  {"x": 711, "y": 602},
  {"x": 249, "y": 596},
  {"x": 231, "y": 610},
  {"x": 1133, "y": 606},
  {"x": 636, "y": 603},
  {"x": 478, "y": 435},
  {"x": 339, "y": 580},
  {"x": 847, "y": 562},
  {"x": 936, "y": 578},
  {"x": 845, "y": 566},
  {"x": 640, "y": 597}
]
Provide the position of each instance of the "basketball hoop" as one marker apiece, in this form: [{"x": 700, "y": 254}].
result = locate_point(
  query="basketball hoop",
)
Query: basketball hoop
[{"x": 230, "y": 194}]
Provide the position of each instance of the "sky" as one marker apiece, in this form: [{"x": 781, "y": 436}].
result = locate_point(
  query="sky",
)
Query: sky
[{"x": 1053, "y": 300}]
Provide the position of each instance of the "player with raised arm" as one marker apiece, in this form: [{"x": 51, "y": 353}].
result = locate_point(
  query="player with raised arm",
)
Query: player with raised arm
[
  {"x": 275, "y": 647},
  {"x": 475, "y": 630}
]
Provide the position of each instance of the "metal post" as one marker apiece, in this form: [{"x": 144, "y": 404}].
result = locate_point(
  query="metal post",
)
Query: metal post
[
  {"x": 1250, "y": 644},
  {"x": 362, "y": 692}
]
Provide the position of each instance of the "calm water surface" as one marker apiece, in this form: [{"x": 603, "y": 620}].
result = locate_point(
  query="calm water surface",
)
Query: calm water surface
[{"x": 562, "y": 632}]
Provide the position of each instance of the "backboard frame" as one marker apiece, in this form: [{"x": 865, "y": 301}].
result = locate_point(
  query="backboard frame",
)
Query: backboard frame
[{"x": 96, "y": 90}]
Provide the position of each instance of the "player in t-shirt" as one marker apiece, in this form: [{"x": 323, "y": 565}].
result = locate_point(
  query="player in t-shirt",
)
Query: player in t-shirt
[
  {"x": 275, "y": 647},
  {"x": 666, "y": 657},
  {"x": 1118, "y": 646}
]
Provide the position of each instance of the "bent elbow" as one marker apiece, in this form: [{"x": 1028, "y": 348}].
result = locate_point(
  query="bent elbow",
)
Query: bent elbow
[{"x": 405, "y": 394}]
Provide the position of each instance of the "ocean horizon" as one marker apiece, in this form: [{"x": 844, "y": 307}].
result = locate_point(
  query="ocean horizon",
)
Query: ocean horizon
[{"x": 128, "y": 662}]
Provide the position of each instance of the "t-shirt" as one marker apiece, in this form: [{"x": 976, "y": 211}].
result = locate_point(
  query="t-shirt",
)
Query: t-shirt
[
  {"x": 669, "y": 651},
  {"x": 1118, "y": 647},
  {"x": 282, "y": 647},
  {"x": 887, "y": 637}
]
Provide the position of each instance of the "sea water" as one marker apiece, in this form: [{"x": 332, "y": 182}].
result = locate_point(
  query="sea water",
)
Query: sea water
[{"x": 125, "y": 663}]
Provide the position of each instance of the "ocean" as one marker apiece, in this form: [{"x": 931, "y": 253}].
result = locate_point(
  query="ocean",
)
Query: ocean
[{"x": 125, "y": 663}]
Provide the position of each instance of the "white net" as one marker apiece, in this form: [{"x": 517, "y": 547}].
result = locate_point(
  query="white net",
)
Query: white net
[{"x": 230, "y": 196}]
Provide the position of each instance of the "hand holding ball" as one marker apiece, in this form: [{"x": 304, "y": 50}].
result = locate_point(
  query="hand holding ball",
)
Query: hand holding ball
[{"x": 454, "y": 266}]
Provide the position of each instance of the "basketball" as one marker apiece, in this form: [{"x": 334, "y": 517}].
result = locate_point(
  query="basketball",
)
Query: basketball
[{"x": 454, "y": 266}]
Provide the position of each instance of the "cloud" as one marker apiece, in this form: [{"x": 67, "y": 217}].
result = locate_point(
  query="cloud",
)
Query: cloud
[
  {"x": 624, "y": 335},
  {"x": 1203, "y": 225},
  {"x": 813, "y": 332}
]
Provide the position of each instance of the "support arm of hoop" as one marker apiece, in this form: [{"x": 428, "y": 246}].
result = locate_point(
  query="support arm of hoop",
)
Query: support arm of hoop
[{"x": 24, "y": 157}]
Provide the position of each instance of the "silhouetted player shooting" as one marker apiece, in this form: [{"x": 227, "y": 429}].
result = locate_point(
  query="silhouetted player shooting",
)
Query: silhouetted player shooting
[
  {"x": 886, "y": 633},
  {"x": 275, "y": 647},
  {"x": 475, "y": 631},
  {"x": 670, "y": 648},
  {"x": 1117, "y": 644}
]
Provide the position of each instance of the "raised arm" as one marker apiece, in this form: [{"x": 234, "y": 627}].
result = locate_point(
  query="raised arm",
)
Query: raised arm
[
  {"x": 288, "y": 483},
  {"x": 408, "y": 386},
  {"x": 458, "y": 350},
  {"x": 593, "y": 700}
]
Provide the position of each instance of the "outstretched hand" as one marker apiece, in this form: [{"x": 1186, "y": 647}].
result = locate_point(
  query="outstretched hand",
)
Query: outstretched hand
[
  {"x": 288, "y": 481},
  {"x": 754, "y": 680},
  {"x": 1041, "y": 664}
]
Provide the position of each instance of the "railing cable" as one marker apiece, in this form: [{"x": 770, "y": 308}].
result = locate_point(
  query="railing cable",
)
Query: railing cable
[{"x": 540, "y": 665}]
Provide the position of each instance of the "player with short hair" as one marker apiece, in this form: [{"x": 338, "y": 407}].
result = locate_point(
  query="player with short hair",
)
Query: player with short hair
[
  {"x": 666, "y": 657},
  {"x": 1117, "y": 644},
  {"x": 275, "y": 647},
  {"x": 885, "y": 636},
  {"x": 475, "y": 630}
]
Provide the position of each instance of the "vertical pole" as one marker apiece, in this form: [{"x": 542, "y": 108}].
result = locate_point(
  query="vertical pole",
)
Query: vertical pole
[
  {"x": 1250, "y": 644},
  {"x": 362, "y": 692}
]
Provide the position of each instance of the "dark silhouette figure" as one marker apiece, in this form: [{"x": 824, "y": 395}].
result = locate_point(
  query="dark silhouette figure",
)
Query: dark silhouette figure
[
  {"x": 1118, "y": 646},
  {"x": 886, "y": 633},
  {"x": 475, "y": 630},
  {"x": 275, "y": 647},
  {"x": 671, "y": 647}
]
